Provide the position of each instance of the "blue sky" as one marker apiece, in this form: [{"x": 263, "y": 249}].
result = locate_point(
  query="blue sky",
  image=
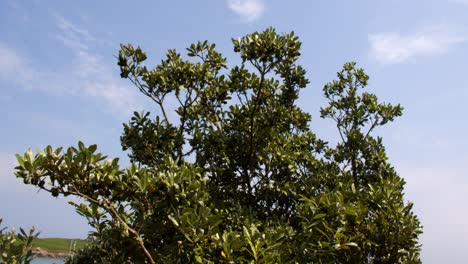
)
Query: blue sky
[{"x": 59, "y": 83}]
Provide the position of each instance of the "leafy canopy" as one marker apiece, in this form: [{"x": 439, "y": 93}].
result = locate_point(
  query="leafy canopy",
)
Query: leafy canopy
[
  {"x": 234, "y": 174},
  {"x": 16, "y": 248}
]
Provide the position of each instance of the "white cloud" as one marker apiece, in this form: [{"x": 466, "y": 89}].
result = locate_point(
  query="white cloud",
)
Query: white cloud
[
  {"x": 15, "y": 67},
  {"x": 73, "y": 36},
  {"x": 247, "y": 10},
  {"x": 9, "y": 60},
  {"x": 393, "y": 47},
  {"x": 86, "y": 75}
]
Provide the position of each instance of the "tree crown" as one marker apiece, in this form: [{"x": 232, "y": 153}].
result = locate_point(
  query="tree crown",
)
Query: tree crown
[{"x": 235, "y": 173}]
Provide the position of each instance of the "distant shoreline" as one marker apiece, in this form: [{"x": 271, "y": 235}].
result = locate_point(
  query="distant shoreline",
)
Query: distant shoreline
[
  {"x": 42, "y": 253},
  {"x": 57, "y": 248}
]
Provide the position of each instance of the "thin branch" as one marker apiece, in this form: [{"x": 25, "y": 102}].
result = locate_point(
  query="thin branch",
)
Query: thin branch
[
  {"x": 111, "y": 210},
  {"x": 252, "y": 119},
  {"x": 157, "y": 100},
  {"x": 374, "y": 124},
  {"x": 161, "y": 106}
]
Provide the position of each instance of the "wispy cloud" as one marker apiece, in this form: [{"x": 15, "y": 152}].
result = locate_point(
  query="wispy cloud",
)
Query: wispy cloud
[
  {"x": 394, "y": 47},
  {"x": 85, "y": 76},
  {"x": 247, "y": 10},
  {"x": 15, "y": 67}
]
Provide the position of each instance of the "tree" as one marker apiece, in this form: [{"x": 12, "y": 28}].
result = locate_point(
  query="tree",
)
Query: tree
[
  {"x": 235, "y": 174},
  {"x": 16, "y": 248}
]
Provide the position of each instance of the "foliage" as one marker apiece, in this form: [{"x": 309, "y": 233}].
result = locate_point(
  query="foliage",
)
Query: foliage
[
  {"x": 16, "y": 248},
  {"x": 235, "y": 174}
]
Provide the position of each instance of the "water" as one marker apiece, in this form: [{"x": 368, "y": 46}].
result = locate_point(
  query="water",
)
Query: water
[{"x": 47, "y": 261}]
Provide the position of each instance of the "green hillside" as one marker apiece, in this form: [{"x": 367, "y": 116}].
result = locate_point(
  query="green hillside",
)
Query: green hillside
[{"x": 59, "y": 245}]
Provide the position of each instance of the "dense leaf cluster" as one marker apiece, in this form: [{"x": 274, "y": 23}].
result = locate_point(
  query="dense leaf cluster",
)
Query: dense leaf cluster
[
  {"x": 235, "y": 173},
  {"x": 16, "y": 248}
]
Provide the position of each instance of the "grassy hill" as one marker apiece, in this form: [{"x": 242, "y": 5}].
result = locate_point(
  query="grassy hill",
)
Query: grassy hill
[{"x": 59, "y": 245}]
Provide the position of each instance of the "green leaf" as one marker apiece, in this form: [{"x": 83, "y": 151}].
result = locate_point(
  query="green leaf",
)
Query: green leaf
[{"x": 173, "y": 220}]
